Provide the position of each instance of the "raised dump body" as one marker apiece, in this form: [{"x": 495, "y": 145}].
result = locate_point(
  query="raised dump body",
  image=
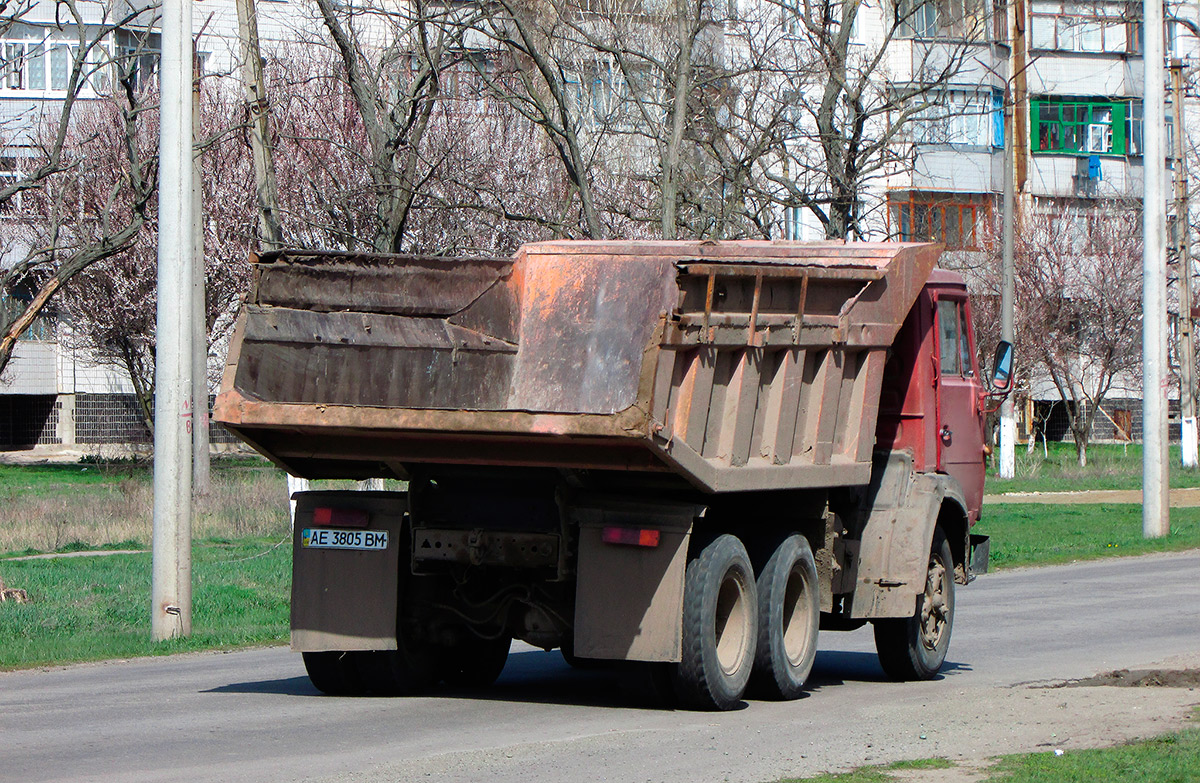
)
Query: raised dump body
[{"x": 743, "y": 365}]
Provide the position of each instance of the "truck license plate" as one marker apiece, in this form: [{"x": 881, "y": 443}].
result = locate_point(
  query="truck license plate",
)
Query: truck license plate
[{"x": 332, "y": 538}]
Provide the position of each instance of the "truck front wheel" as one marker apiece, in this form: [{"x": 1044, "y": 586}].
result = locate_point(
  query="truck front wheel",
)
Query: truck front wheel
[
  {"x": 720, "y": 618},
  {"x": 914, "y": 648},
  {"x": 789, "y": 614}
]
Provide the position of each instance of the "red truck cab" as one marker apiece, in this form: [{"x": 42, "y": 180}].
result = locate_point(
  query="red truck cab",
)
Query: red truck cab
[{"x": 932, "y": 402}]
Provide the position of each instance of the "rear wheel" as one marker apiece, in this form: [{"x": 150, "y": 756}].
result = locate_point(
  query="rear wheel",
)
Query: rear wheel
[
  {"x": 914, "y": 648},
  {"x": 475, "y": 662},
  {"x": 409, "y": 669},
  {"x": 334, "y": 673},
  {"x": 789, "y": 613},
  {"x": 574, "y": 661},
  {"x": 719, "y": 626}
]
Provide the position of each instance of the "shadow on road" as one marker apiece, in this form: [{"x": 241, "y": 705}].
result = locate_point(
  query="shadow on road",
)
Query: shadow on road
[
  {"x": 537, "y": 677},
  {"x": 834, "y": 667},
  {"x": 286, "y": 686}
]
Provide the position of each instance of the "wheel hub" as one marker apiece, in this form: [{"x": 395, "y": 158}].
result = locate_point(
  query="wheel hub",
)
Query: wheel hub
[{"x": 933, "y": 607}]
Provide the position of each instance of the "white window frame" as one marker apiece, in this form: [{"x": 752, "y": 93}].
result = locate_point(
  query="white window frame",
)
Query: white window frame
[
  {"x": 959, "y": 117},
  {"x": 39, "y": 62}
]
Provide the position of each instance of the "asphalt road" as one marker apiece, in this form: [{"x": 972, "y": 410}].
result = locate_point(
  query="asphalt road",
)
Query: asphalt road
[{"x": 254, "y": 716}]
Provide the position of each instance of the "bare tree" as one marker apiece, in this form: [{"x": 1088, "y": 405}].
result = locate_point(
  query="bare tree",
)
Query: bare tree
[
  {"x": 489, "y": 182},
  {"x": 70, "y": 244},
  {"x": 109, "y": 308},
  {"x": 394, "y": 83},
  {"x": 853, "y": 121},
  {"x": 1079, "y": 306}
]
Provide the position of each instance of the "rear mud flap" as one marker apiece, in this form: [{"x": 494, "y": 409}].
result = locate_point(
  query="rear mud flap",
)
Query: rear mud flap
[{"x": 981, "y": 549}]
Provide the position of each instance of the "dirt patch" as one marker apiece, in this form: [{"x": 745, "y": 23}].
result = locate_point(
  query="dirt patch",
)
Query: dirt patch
[
  {"x": 85, "y": 553},
  {"x": 967, "y": 771},
  {"x": 1140, "y": 678},
  {"x": 1179, "y": 498}
]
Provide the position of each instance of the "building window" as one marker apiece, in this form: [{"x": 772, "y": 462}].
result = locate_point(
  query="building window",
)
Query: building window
[
  {"x": 1097, "y": 28},
  {"x": 597, "y": 92},
  {"x": 956, "y": 220},
  {"x": 1079, "y": 126},
  {"x": 36, "y": 60},
  {"x": 10, "y": 174},
  {"x": 941, "y": 19},
  {"x": 968, "y": 117}
]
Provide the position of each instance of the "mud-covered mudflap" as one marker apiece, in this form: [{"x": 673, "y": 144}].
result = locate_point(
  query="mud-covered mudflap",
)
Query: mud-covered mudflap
[
  {"x": 629, "y": 589},
  {"x": 347, "y": 552},
  {"x": 981, "y": 549}
]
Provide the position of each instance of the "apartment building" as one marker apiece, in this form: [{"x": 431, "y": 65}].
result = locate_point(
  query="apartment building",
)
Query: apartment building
[{"x": 1077, "y": 106}]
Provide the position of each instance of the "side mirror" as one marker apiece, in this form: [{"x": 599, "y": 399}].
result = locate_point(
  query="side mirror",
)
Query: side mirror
[{"x": 1002, "y": 366}]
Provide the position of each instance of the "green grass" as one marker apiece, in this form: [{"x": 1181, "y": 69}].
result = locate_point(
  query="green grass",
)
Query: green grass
[
  {"x": 96, "y": 608},
  {"x": 1109, "y": 467},
  {"x": 1043, "y": 534},
  {"x": 92, "y": 608},
  {"x": 1173, "y": 758},
  {"x": 42, "y": 479}
]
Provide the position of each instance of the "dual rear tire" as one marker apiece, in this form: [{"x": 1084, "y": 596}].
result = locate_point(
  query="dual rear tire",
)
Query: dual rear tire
[
  {"x": 411, "y": 669},
  {"x": 789, "y": 615},
  {"x": 739, "y": 631},
  {"x": 720, "y": 619}
]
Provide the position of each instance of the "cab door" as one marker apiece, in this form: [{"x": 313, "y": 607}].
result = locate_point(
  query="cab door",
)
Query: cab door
[{"x": 959, "y": 412}]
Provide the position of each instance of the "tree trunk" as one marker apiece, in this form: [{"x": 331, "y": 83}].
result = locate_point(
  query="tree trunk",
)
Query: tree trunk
[{"x": 679, "y": 113}]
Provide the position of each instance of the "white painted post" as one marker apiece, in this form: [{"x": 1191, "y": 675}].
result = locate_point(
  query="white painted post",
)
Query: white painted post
[
  {"x": 1155, "y": 521},
  {"x": 295, "y": 484},
  {"x": 171, "y": 578},
  {"x": 1008, "y": 420},
  {"x": 1183, "y": 265}
]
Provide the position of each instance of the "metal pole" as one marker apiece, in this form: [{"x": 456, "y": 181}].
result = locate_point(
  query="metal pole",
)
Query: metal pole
[
  {"x": 171, "y": 578},
  {"x": 1183, "y": 269},
  {"x": 201, "y": 475},
  {"x": 1008, "y": 420},
  {"x": 1155, "y": 522}
]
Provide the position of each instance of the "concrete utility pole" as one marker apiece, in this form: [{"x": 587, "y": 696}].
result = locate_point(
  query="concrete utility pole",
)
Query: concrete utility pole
[
  {"x": 1183, "y": 273},
  {"x": 201, "y": 456},
  {"x": 1008, "y": 421},
  {"x": 1155, "y": 520},
  {"x": 1015, "y": 145},
  {"x": 171, "y": 583}
]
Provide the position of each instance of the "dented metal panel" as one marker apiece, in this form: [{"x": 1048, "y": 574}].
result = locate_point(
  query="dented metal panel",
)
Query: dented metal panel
[{"x": 736, "y": 365}]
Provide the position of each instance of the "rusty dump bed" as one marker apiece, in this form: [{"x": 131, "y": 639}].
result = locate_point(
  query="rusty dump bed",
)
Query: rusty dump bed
[{"x": 737, "y": 365}]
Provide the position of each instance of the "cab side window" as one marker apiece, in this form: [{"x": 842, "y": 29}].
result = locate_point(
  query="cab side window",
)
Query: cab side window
[
  {"x": 949, "y": 337},
  {"x": 964, "y": 342}
]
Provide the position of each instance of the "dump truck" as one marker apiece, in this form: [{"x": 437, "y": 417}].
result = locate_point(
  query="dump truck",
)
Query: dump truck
[{"x": 684, "y": 458}]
